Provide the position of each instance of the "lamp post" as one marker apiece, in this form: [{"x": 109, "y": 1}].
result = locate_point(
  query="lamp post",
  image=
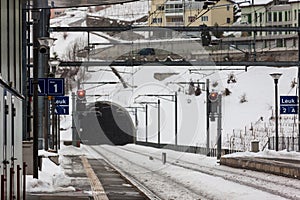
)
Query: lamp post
[{"x": 276, "y": 77}]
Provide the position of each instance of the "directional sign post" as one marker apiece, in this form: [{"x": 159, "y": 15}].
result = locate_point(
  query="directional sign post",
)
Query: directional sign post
[
  {"x": 61, "y": 105},
  {"x": 288, "y": 105}
]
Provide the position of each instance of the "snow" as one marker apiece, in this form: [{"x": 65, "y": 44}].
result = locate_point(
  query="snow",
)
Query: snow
[
  {"x": 51, "y": 179},
  {"x": 267, "y": 154},
  {"x": 126, "y": 11},
  {"x": 194, "y": 176},
  {"x": 237, "y": 119}
]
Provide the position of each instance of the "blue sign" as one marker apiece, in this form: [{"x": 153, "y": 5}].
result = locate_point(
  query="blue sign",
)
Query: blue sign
[
  {"x": 61, "y": 100},
  {"x": 56, "y": 86},
  {"x": 48, "y": 86},
  {"x": 42, "y": 86},
  {"x": 289, "y": 109},
  {"x": 288, "y": 100},
  {"x": 62, "y": 110}
]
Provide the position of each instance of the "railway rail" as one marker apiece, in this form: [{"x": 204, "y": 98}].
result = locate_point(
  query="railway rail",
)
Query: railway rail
[
  {"x": 288, "y": 189},
  {"x": 265, "y": 184}
]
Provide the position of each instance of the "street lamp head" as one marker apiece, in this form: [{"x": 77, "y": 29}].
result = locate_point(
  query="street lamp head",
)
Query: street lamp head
[
  {"x": 53, "y": 62},
  {"x": 276, "y": 76},
  {"x": 45, "y": 43}
]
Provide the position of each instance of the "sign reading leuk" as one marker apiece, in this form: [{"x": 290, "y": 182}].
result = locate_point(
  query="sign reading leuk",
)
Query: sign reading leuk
[
  {"x": 288, "y": 100},
  {"x": 61, "y": 100}
]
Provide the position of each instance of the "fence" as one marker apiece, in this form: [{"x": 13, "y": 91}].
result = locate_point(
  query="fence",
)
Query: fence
[
  {"x": 189, "y": 149},
  {"x": 288, "y": 143}
]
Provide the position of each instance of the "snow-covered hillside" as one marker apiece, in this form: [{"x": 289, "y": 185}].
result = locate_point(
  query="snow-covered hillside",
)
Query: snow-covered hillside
[{"x": 242, "y": 121}]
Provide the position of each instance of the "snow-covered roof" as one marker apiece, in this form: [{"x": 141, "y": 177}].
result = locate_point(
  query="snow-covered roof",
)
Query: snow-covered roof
[{"x": 261, "y": 2}]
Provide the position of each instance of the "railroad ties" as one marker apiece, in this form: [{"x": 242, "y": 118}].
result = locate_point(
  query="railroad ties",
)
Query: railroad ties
[{"x": 107, "y": 183}]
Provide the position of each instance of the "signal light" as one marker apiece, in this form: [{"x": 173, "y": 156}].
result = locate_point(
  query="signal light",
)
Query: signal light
[
  {"x": 213, "y": 96},
  {"x": 81, "y": 94}
]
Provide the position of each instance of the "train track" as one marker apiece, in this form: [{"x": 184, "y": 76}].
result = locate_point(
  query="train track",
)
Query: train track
[
  {"x": 255, "y": 181},
  {"x": 187, "y": 193},
  {"x": 269, "y": 184}
]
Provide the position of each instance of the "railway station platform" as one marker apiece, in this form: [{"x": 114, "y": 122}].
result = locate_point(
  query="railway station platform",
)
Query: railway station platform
[
  {"x": 93, "y": 179},
  {"x": 278, "y": 166},
  {"x": 96, "y": 179}
]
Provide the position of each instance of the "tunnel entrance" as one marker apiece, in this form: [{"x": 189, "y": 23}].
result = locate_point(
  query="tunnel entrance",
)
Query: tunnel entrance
[{"x": 105, "y": 122}]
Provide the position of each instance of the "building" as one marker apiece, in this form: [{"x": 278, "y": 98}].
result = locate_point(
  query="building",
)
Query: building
[
  {"x": 276, "y": 13},
  {"x": 190, "y": 13},
  {"x": 11, "y": 99}
]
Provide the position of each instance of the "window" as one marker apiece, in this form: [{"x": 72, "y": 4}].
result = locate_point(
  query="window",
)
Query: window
[
  {"x": 280, "y": 16},
  {"x": 228, "y": 7},
  {"x": 192, "y": 18},
  {"x": 228, "y": 20},
  {"x": 177, "y": 19},
  {"x": 255, "y": 17},
  {"x": 204, "y": 18},
  {"x": 286, "y": 16},
  {"x": 295, "y": 14},
  {"x": 279, "y": 43},
  {"x": 269, "y": 17},
  {"x": 260, "y": 17},
  {"x": 160, "y": 7},
  {"x": 275, "y": 17},
  {"x": 249, "y": 18},
  {"x": 174, "y": 8},
  {"x": 156, "y": 20}
]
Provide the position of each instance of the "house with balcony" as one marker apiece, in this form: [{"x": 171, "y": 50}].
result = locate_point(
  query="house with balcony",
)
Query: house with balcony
[
  {"x": 190, "y": 13},
  {"x": 276, "y": 13}
]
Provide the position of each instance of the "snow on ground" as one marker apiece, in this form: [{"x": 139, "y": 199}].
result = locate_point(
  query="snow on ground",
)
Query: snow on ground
[
  {"x": 126, "y": 11},
  {"x": 267, "y": 154},
  {"x": 49, "y": 178},
  {"x": 255, "y": 84},
  {"x": 176, "y": 180}
]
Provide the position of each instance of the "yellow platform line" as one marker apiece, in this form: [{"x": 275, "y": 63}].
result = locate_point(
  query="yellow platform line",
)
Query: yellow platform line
[{"x": 97, "y": 189}]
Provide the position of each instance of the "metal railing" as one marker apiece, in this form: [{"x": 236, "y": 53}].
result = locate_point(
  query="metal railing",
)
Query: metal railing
[
  {"x": 189, "y": 149},
  {"x": 288, "y": 143}
]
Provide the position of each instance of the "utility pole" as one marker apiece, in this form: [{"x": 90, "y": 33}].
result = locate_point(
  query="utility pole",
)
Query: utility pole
[
  {"x": 207, "y": 117},
  {"x": 158, "y": 122},
  {"x": 35, "y": 16},
  {"x": 219, "y": 129},
  {"x": 146, "y": 122},
  {"x": 298, "y": 82},
  {"x": 176, "y": 113}
]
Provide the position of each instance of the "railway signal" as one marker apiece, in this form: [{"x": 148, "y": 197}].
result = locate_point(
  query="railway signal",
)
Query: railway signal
[
  {"x": 213, "y": 102},
  {"x": 205, "y": 37},
  {"x": 81, "y": 94},
  {"x": 81, "y": 100}
]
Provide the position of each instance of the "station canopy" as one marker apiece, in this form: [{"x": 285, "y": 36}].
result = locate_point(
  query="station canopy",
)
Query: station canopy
[{"x": 79, "y": 3}]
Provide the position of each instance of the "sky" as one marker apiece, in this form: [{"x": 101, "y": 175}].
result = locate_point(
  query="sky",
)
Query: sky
[{"x": 242, "y": 121}]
